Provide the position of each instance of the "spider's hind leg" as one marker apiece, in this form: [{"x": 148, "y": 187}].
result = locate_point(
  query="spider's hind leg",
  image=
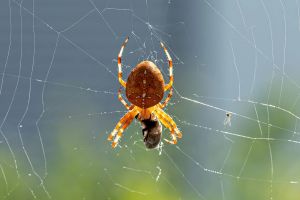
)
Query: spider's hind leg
[
  {"x": 169, "y": 85},
  {"x": 165, "y": 103},
  {"x": 128, "y": 107},
  {"x": 120, "y": 74}
]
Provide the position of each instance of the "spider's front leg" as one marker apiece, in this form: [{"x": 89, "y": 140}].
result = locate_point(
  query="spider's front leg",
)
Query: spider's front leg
[
  {"x": 121, "y": 126},
  {"x": 168, "y": 122}
]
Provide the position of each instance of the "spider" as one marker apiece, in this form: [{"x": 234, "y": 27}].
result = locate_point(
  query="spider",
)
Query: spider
[{"x": 145, "y": 89}]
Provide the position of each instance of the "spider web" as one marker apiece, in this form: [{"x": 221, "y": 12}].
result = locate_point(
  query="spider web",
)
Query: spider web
[{"x": 58, "y": 94}]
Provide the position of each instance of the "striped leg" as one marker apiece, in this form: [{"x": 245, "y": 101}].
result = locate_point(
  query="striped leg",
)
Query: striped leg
[
  {"x": 120, "y": 132},
  {"x": 170, "y": 120},
  {"x": 174, "y": 139},
  {"x": 130, "y": 114},
  {"x": 169, "y": 85},
  {"x": 128, "y": 107},
  {"x": 122, "y": 82},
  {"x": 166, "y": 124},
  {"x": 165, "y": 103}
]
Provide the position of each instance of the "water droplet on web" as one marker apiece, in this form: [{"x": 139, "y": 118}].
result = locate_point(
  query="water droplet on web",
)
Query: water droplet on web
[
  {"x": 159, "y": 173},
  {"x": 160, "y": 148}
]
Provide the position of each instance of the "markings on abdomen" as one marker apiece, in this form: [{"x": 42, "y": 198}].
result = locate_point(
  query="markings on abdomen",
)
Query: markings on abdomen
[{"x": 144, "y": 88}]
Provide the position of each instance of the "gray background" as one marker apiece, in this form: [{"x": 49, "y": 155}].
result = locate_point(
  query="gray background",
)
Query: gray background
[{"x": 58, "y": 101}]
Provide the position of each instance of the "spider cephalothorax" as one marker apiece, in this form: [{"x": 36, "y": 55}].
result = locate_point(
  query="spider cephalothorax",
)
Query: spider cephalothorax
[{"x": 145, "y": 88}]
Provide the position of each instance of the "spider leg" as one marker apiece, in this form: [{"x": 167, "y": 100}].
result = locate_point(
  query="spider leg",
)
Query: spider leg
[
  {"x": 121, "y": 130},
  {"x": 128, "y": 107},
  {"x": 130, "y": 114},
  {"x": 169, "y": 120},
  {"x": 169, "y": 85},
  {"x": 122, "y": 82},
  {"x": 165, "y": 103},
  {"x": 174, "y": 140},
  {"x": 163, "y": 120},
  {"x": 166, "y": 124}
]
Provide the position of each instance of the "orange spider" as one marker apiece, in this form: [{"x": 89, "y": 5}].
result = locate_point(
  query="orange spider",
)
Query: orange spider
[{"x": 145, "y": 89}]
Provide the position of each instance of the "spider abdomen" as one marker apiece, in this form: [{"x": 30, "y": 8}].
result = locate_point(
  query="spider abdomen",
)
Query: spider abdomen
[{"x": 145, "y": 85}]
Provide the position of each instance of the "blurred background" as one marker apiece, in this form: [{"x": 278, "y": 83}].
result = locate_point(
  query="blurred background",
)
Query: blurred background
[{"x": 58, "y": 99}]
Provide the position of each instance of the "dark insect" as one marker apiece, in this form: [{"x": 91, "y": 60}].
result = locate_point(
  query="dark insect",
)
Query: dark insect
[{"x": 151, "y": 129}]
